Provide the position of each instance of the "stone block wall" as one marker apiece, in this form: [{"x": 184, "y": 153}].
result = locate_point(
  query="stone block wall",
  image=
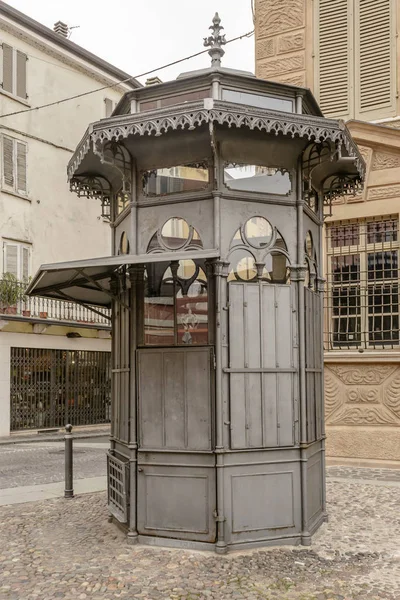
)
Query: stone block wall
[
  {"x": 362, "y": 410},
  {"x": 281, "y": 27}
]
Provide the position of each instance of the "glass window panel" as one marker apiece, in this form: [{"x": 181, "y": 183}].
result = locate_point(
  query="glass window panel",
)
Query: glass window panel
[
  {"x": 383, "y": 299},
  {"x": 186, "y": 269},
  {"x": 384, "y": 329},
  {"x": 173, "y": 180},
  {"x": 192, "y": 314},
  {"x": 243, "y": 266},
  {"x": 175, "y": 233},
  {"x": 258, "y": 232},
  {"x": 382, "y": 265},
  {"x": 382, "y": 231},
  {"x": 258, "y": 100},
  {"x": 345, "y": 235},
  {"x": 346, "y": 268},
  {"x": 257, "y": 178},
  {"x": 346, "y": 331},
  {"x": 175, "y": 312},
  {"x": 309, "y": 245},
  {"x": 277, "y": 268},
  {"x": 345, "y": 301}
]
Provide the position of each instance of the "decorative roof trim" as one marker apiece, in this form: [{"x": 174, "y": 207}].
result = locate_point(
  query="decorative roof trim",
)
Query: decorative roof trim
[{"x": 195, "y": 114}]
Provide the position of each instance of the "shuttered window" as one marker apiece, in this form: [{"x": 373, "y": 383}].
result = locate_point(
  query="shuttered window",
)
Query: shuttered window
[
  {"x": 335, "y": 42},
  {"x": 14, "y": 71},
  {"x": 375, "y": 46},
  {"x": 17, "y": 259},
  {"x": 109, "y": 106},
  {"x": 14, "y": 165},
  {"x": 356, "y": 58}
]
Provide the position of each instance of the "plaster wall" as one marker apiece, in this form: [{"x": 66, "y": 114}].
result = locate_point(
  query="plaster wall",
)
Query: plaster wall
[
  {"x": 26, "y": 340},
  {"x": 59, "y": 225},
  {"x": 362, "y": 399}
]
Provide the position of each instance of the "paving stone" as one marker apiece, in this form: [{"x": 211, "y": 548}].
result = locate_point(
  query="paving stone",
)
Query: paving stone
[{"x": 67, "y": 549}]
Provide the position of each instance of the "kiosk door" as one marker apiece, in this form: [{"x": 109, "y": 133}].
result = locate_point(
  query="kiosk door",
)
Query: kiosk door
[{"x": 176, "y": 465}]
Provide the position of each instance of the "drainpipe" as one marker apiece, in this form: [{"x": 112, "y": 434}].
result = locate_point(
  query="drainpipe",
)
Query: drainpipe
[
  {"x": 221, "y": 545},
  {"x": 306, "y": 538}
]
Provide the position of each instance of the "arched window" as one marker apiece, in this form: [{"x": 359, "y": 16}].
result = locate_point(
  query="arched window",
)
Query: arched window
[
  {"x": 176, "y": 304},
  {"x": 258, "y": 252},
  {"x": 175, "y": 234}
]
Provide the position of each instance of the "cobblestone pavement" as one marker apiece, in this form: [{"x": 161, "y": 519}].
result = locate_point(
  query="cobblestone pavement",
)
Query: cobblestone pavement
[
  {"x": 67, "y": 549},
  {"x": 364, "y": 473},
  {"x": 33, "y": 464}
]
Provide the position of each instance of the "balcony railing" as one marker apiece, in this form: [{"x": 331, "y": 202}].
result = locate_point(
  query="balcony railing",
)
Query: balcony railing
[{"x": 17, "y": 306}]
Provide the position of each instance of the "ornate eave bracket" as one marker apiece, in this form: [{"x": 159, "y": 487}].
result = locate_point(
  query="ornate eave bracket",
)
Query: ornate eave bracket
[
  {"x": 193, "y": 115},
  {"x": 89, "y": 186}
]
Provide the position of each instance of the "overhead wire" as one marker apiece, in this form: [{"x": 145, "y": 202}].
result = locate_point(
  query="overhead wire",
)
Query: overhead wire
[{"x": 112, "y": 85}]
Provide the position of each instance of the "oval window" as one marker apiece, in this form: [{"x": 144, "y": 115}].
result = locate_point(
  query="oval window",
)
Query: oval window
[
  {"x": 243, "y": 267},
  {"x": 175, "y": 233},
  {"x": 258, "y": 232},
  {"x": 124, "y": 244},
  {"x": 309, "y": 245}
]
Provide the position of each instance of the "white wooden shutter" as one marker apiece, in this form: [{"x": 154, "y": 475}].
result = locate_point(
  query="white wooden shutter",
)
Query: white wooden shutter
[
  {"x": 21, "y": 168},
  {"x": 8, "y": 162},
  {"x": 109, "y": 106},
  {"x": 8, "y": 58},
  {"x": 375, "y": 58},
  {"x": 333, "y": 54},
  {"x": 21, "y": 74},
  {"x": 25, "y": 263},
  {"x": 10, "y": 260}
]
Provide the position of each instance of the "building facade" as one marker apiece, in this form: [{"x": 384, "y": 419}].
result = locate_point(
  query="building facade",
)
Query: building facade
[
  {"x": 347, "y": 53},
  {"x": 46, "y": 346}
]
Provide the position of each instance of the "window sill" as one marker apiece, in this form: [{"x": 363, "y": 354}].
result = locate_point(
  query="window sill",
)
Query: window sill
[
  {"x": 20, "y": 196},
  {"x": 16, "y": 98}
]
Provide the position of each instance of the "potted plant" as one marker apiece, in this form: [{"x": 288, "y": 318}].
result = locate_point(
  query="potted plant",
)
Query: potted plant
[{"x": 10, "y": 293}]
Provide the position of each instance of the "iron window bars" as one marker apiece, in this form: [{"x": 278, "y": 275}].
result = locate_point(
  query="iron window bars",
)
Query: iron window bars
[{"x": 362, "y": 295}]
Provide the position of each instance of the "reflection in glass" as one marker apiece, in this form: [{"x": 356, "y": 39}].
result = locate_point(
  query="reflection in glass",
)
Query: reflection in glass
[
  {"x": 276, "y": 268},
  {"x": 175, "y": 233},
  {"x": 192, "y": 314},
  {"x": 159, "y": 308},
  {"x": 258, "y": 232},
  {"x": 258, "y": 100},
  {"x": 243, "y": 266},
  {"x": 124, "y": 244},
  {"x": 257, "y": 178},
  {"x": 122, "y": 201},
  {"x": 309, "y": 245},
  {"x": 176, "y": 308},
  {"x": 172, "y": 180}
]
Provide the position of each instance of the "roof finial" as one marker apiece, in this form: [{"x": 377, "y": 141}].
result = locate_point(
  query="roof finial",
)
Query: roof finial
[{"x": 215, "y": 41}]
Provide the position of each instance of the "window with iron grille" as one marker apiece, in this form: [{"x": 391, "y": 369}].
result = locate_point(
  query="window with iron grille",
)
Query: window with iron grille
[{"x": 362, "y": 297}]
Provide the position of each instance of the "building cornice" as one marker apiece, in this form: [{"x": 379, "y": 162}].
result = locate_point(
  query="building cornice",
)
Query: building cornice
[
  {"x": 375, "y": 135},
  {"x": 192, "y": 115}
]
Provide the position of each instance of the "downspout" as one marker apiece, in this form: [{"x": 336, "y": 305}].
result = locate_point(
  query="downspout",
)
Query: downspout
[{"x": 305, "y": 535}]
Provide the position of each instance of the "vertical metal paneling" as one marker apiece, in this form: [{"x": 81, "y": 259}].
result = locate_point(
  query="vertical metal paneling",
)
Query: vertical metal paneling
[
  {"x": 261, "y": 339},
  {"x": 314, "y": 365},
  {"x": 151, "y": 395},
  {"x": 198, "y": 411},
  {"x": 174, "y": 399}
]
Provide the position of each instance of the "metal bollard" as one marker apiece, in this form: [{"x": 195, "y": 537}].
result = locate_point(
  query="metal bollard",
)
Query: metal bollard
[{"x": 69, "y": 489}]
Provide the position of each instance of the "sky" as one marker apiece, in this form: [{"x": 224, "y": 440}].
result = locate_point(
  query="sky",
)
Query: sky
[{"x": 141, "y": 35}]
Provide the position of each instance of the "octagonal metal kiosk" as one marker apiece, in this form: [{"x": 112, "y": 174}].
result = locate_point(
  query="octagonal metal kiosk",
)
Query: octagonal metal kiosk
[{"x": 215, "y": 186}]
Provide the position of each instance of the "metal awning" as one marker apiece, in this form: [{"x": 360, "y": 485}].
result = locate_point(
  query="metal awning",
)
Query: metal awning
[{"x": 88, "y": 281}]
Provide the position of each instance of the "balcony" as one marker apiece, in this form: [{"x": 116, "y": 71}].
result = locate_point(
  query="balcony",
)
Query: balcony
[{"x": 16, "y": 306}]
